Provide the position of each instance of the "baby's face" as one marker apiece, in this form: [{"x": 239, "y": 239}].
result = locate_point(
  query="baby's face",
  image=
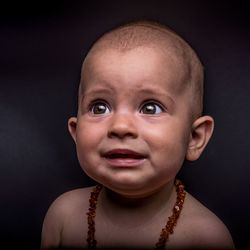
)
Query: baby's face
[{"x": 133, "y": 124}]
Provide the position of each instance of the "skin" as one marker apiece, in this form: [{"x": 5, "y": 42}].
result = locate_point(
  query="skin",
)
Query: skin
[
  {"x": 144, "y": 76},
  {"x": 115, "y": 112}
]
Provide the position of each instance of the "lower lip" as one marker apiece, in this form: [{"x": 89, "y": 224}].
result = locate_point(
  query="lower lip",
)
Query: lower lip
[{"x": 125, "y": 162}]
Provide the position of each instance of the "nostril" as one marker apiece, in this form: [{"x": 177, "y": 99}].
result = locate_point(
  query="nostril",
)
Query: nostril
[
  {"x": 121, "y": 134},
  {"x": 122, "y": 127}
]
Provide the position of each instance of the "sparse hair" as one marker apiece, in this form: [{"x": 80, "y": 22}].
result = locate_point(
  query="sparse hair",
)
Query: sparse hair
[{"x": 153, "y": 34}]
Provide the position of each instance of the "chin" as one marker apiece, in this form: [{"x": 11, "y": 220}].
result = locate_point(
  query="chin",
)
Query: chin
[{"x": 129, "y": 187}]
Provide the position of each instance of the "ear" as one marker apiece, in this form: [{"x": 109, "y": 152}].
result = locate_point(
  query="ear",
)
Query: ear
[
  {"x": 202, "y": 130},
  {"x": 72, "y": 123}
]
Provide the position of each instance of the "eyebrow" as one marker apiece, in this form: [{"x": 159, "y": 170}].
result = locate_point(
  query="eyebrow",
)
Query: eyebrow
[
  {"x": 157, "y": 92},
  {"x": 99, "y": 90},
  {"x": 108, "y": 89}
]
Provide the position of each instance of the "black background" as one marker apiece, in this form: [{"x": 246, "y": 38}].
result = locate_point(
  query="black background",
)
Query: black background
[{"x": 42, "y": 45}]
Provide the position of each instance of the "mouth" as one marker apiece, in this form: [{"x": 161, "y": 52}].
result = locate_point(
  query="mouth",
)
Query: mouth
[{"x": 124, "y": 157}]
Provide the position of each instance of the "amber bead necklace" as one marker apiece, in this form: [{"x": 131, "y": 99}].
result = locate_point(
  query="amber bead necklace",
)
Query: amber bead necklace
[{"x": 165, "y": 232}]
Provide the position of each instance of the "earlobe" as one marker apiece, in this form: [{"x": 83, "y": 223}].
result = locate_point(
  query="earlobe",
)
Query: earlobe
[
  {"x": 72, "y": 123},
  {"x": 202, "y": 130}
]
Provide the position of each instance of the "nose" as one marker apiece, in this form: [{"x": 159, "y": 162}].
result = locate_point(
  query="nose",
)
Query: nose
[{"x": 123, "y": 126}]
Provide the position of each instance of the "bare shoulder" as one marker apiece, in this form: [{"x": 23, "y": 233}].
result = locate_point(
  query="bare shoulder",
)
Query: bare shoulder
[
  {"x": 68, "y": 207},
  {"x": 201, "y": 228},
  {"x": 71, "y": 200}
]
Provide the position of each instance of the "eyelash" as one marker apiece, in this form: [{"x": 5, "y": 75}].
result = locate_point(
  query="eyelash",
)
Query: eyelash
[
  {"x": 152, "y": 103},
  {"x": 106, "y": 106},
  {"x": 94, "y": 104}
]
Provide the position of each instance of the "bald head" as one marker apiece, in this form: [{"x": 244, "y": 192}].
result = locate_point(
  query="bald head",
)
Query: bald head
[{"x": 162, "y": 38}]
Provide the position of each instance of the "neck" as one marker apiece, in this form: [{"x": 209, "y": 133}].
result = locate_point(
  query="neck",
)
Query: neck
[{"x": 133, "y": 207}]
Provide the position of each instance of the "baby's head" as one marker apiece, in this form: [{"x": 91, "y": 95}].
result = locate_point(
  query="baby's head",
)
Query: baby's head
[
  {"x": 140, "y": 105},
  {"x": 179, "y": 56}
]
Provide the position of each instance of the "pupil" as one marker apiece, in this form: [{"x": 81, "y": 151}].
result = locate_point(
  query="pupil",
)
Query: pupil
[
  {"x": 99, "y": 109},
  {"x": 150, "y": 109}
]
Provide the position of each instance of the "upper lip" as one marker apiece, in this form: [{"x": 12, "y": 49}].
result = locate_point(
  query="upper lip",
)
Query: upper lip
[{"x": 123, "y": 153}]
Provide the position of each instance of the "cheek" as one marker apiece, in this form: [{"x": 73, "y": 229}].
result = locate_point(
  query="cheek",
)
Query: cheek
[
  {"x": 87, "y": 140},
  {"x": 163, "y": 135},
  {"x": 167, "y": 141},
  {"x": 88, "y": 134}
]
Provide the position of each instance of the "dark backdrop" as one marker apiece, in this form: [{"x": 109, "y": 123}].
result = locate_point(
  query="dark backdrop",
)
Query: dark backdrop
[{"x": 41, "y": 50}]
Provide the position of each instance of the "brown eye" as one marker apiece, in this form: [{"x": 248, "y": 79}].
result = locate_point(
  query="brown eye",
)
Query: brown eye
[
  {"x": 151, "y": 108},
  {"x": 100, "y": 108}
]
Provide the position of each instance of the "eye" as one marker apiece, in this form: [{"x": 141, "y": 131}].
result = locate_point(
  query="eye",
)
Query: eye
[
  {"x": 151, "y": 108},
  {"x": 99, "y": 108}
]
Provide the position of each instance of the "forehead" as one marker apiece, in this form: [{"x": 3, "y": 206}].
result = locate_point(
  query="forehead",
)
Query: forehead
[{"x": 135, "y": 67}]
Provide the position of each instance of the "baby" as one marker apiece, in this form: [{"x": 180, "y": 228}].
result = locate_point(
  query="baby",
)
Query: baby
[{"x": 139, "y": 118}]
